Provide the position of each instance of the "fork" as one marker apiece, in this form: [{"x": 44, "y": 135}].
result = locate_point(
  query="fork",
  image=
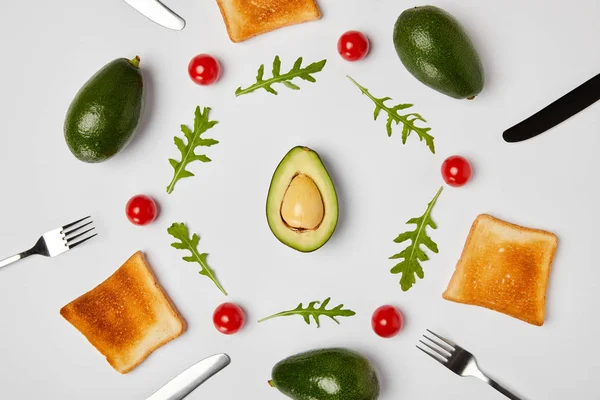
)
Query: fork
[
  {"x": 459, "y": 361},
  {"x": 56, "y": 242}
]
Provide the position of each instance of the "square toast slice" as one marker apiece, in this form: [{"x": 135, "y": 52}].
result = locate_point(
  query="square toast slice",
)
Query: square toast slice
[
  {"x": 127, "y": 316},
  {"x": 248, "y": 18},
  {"x": 504, "y": 267}
]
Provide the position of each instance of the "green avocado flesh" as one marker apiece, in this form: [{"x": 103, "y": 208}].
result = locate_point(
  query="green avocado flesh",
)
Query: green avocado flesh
[
  {"x": 328, "y": 374},
  {"x": 437, "y": 51},
  {"x": 302, "y": 191},
  {"x": 106, "y": 111}
]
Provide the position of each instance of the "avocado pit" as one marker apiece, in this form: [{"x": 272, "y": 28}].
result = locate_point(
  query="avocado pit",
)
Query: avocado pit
[{"x": 302, "y": 207}]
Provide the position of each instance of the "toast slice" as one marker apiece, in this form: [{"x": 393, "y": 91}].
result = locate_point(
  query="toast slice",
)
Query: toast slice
[
  {"x": 127, "y": 316},
  {"x": 248, "y": 18},
  {"x": 504, "y": 267}
]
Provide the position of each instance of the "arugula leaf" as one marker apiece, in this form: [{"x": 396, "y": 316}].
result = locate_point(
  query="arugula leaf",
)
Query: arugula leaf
[
  {"x": 310, "y": 310},
  {"x": 296, "y": 72},
  {"x": 408, "y": 120},
  {"x": 180, "y": 231},
  {"x": 409, "y": 266},
  {"x": 188, "y": 151}
]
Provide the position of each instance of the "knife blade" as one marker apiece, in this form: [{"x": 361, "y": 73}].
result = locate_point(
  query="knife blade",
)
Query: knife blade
[
  {"x": 562, "y": 109},
  {"x": 185, "y": 383},
  {"x": 159, "y": 13}
]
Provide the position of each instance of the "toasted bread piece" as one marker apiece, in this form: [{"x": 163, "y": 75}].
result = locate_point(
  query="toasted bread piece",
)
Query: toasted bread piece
[
  {"x": 504, "y": 267},
  {"x": 248, "y": 18},
  {"x": 127, "y": 316}
]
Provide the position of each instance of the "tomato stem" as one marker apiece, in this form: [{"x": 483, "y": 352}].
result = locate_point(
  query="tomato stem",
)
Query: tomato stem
[
  {"x": 271, "y": 383},
  {"x": 135, "y": 61}
]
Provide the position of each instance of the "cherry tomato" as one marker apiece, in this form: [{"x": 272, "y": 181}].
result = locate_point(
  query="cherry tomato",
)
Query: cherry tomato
[
  {"x": 141, "y": 210},
  {"x": 229, "y": 318},
  {"x": 456, "y": 171},
  {"x": 353, "y": 46},
  {"x": 387, "y": 321},
  {"x": 204, "y": 69}
]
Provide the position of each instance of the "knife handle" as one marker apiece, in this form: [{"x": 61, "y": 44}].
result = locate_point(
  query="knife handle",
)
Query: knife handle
[{"x": 559, "y": 111}]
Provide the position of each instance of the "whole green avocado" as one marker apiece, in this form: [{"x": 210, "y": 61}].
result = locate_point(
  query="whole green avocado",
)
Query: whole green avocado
[
  {"x": 106, "y": 112},
  {"x": 437, "y": 51},
  {"x": 326, "y": 374}
]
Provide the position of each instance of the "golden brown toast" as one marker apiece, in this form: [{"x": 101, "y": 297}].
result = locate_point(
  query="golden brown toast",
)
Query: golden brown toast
[
  {"x": 504, "y": 267},
  {"x": 248, "y": 18},
  {"x": 127, "y": 316}
]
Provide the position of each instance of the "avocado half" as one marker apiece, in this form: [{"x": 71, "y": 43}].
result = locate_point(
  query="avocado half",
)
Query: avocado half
[{"x": 302, "y": 205}]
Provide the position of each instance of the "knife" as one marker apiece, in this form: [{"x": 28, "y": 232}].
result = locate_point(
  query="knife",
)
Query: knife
[
  {"x": 158, "y": 12},
  {"x": 557, "y": 112},
  {"x": 185, "y": 383}
]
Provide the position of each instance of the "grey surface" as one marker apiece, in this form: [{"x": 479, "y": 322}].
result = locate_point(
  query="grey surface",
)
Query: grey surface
[{"x": 533, "y": 53}]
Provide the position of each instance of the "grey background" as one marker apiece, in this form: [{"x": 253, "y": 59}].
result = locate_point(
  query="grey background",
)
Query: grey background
[{"x": 533, "y": 52}]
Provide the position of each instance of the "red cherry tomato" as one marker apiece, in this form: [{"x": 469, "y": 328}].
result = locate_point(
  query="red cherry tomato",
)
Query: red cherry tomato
[
  {"x": 456, "y": 171},
  {"x": 387, "y": 321},
  {"x": 204, "y": 69},
  {"x": 353, "y": 46},
  {"x": 141, "y": 210},
  {"x": 229, "y": 318}
]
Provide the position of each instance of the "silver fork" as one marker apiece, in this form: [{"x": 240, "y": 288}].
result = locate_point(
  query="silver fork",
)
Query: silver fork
[
  {"x": 459, "y": 361},
  {"x": 57, "y": 241}
]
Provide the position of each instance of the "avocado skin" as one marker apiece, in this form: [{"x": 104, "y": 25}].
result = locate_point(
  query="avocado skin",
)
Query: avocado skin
[
  {"x": 327, "y": 374},
  {"x": 105, "y": 113},
  {"x": 437, "y": 51}
]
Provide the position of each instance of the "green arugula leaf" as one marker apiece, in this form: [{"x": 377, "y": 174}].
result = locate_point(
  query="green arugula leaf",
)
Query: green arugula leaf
[
  {"x": 188, "y": 151},
  {"x": 409, "y": 266},
  {"x": 408, "y": 120},
  {"x": 296, "y": 72},
  {"x": 180, "y": 231},
  {"x": 311, "y": 310}
]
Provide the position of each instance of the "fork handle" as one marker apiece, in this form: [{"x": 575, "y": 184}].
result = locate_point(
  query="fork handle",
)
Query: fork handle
[
  {"x": 502, "y": 389},
  {"x": 17, "y": 257}
]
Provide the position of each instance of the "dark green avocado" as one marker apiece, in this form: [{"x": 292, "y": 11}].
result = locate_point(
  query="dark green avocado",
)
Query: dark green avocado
[
  {"x": 327, "y": 374},
  {"x": 106, "y": 111},
  {"x": 437, "y": 51}
]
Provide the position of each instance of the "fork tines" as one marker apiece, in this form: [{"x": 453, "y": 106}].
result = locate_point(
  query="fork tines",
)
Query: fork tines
[
  {"x": 74, "y": 234},
  {"x": 442, "y": 348}
]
